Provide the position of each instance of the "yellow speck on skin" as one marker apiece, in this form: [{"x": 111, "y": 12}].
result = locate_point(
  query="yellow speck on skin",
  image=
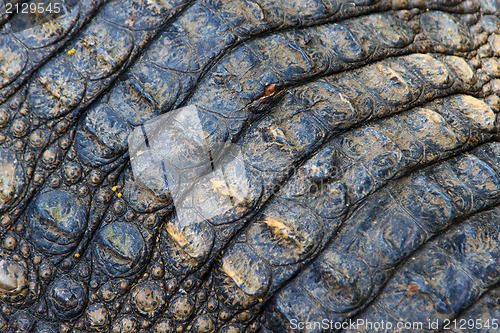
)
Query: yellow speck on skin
[
  {"x": 77, "y": 255},
  {"x": 70, "y": 52},
  {"x": 119, "y": 195},
  {"x": 114, "y": 188}
]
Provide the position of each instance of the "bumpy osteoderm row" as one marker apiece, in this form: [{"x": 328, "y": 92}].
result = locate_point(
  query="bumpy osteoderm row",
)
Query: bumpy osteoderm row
[
  {"x": 301, "y": 122},
  {"x": 388, "y": 228},
  {"x": 27, "y": 40},
  {"x": 309, "y": 209},
  {"x": 138, "y": 97}
]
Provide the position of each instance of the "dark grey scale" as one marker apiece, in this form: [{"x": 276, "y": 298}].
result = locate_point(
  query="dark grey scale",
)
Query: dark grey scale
[
  {"x": 279, "y": 241},
  {"x": 119, "y": 249},
  {"x": 481, "y": 317},
  {"x": 386, "y": 230},
  {"x": 28, "y": 40},
  {"x": 458, "y": 39},
  {"x": 56, "y": 223},
  {"x": 22, "y": 321},
  {"x": 67, "y": 298},
  {"x": 463, "y": 264},
  {"x": 45, "y": 328}
]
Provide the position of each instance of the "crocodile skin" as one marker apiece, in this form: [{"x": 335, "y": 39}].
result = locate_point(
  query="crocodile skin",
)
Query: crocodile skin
[{"x": 369, "y": 166}]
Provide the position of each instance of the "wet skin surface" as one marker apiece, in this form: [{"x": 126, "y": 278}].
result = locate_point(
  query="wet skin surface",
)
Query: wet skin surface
[{"x": 366, "y": 186}]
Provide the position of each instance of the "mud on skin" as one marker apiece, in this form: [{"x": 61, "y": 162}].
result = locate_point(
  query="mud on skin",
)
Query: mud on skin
[{"x": 385, "y": 111}]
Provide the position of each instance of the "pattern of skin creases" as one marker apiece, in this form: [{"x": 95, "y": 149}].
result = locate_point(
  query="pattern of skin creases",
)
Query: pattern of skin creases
[
  {"x": 37, "y": 123},
  {"x": 86, "y": 248},
  {"x": 28, "y": 40},
  {"x": 363, "y": 256},
  {"x": 288, "y": 134},
  {"x": 187, "y": 252},
  {"x": 480, "y": 317},
  {"x": 87, "y": 151},
  {"x": 305, "y": 214}
]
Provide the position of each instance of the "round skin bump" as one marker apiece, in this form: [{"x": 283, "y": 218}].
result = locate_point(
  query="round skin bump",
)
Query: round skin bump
[
  {"x": 56, "y": 222},
  {"x": 67, "y": 298},
  {"x": 119, "y": 249},
  {"x": 148, "y": 298},
  {"x": 10, "y": 69},
  {"x": 442, "y": 28},
  {"x": 22, "y": 321},
  {"x": 12, "y": 179},
  {"x": 13, "y": 280},
  {"x": 97, "y": 316},
  {"x": 101, "y": 136}
]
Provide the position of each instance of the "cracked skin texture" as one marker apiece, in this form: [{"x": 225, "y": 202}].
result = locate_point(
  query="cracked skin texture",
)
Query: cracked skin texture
[{"x": 371, "y": 157}]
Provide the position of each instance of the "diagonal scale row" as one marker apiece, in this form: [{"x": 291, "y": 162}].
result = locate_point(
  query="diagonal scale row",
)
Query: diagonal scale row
[
  {"x": 36, "y": 123},
  {"x": 480, "y": 318},
  {"x": 307, "y": 212},
  {"x": 243, "y": 83},
  {"x": 27, "y": 40},
  {"x": 386, "y": 230},
  {"x": 139, "y": 97},
  {"x": 306, "y": 118},
  {"x": 451, "y": 272},
  {"x": 181, "y": 56}
]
